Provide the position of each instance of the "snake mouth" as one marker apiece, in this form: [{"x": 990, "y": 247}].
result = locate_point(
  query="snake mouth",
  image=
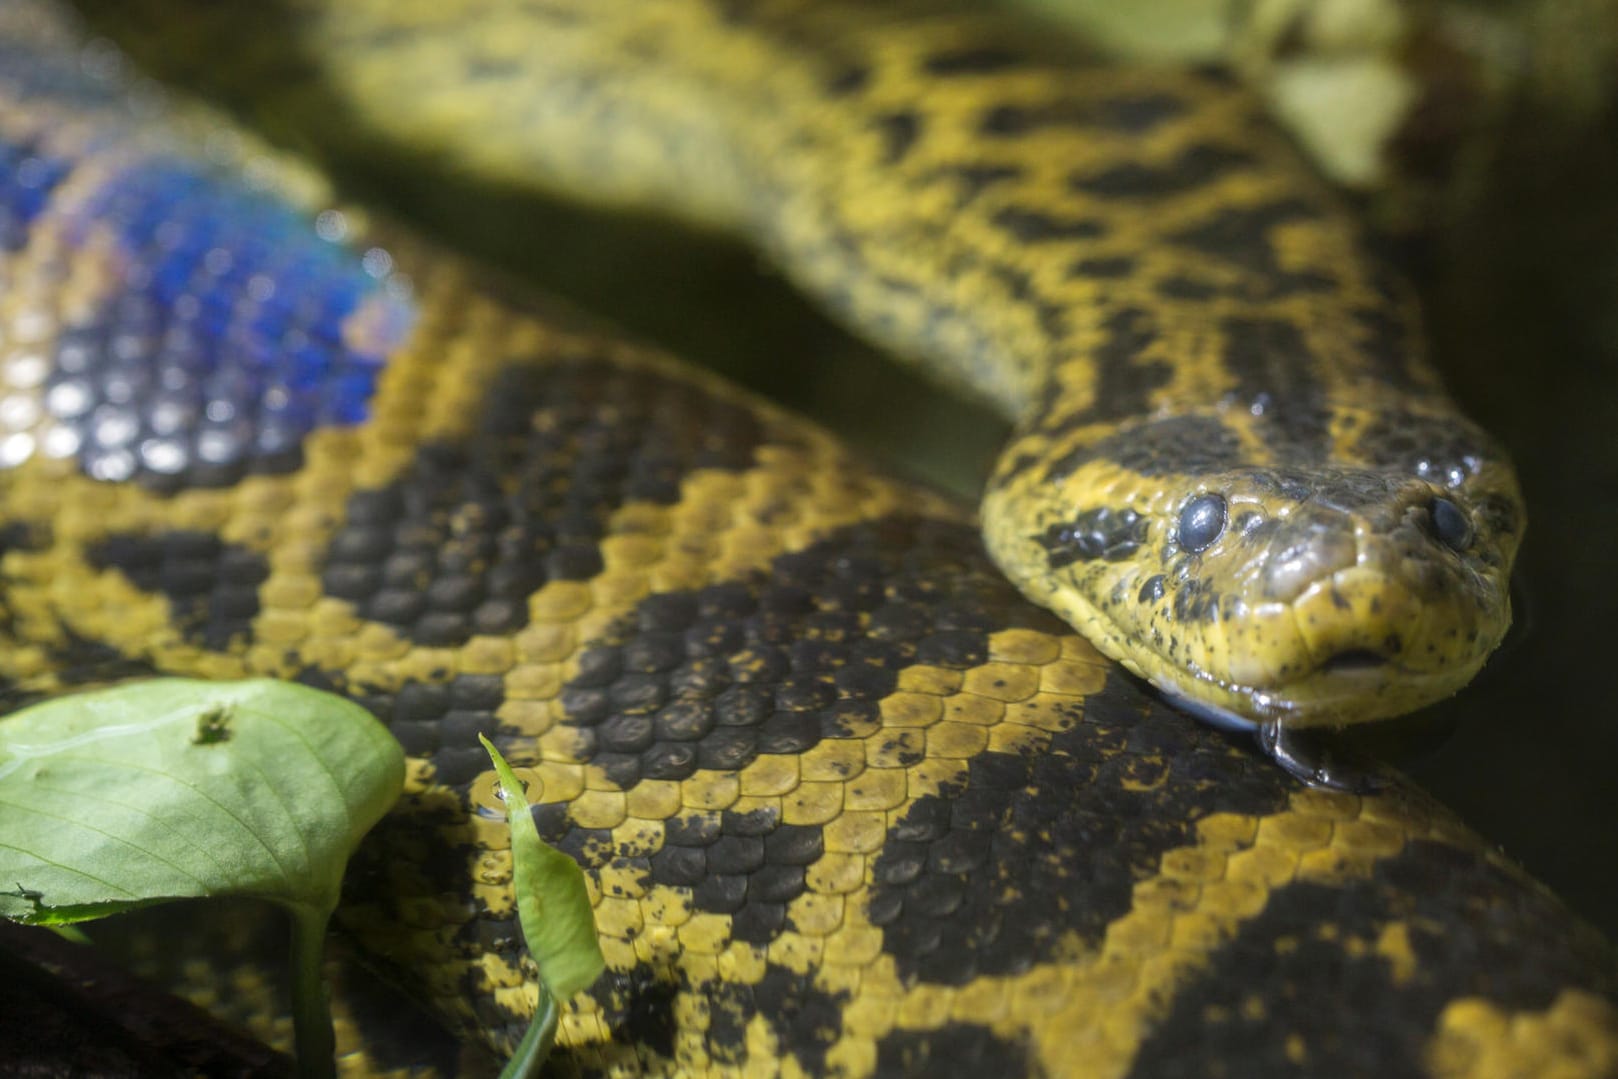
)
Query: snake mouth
[{"x": 1353, "y": 660}]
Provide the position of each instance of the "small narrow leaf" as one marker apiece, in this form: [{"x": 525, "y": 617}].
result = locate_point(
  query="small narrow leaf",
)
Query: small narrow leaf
[
  {"x": 174, "y": 788},
  {"x": 553, "y": 903}
]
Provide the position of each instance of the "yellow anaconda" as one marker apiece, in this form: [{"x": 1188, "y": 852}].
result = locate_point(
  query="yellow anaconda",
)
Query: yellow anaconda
[
  {"x": 848, "y": 805},
  {"x": 1232, "y": 468}
]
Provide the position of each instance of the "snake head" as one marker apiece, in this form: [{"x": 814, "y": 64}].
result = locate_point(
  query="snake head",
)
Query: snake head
[{"x": 1256, "y": 593}]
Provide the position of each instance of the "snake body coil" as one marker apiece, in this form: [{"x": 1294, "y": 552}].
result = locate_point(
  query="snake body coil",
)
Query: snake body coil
[
  {"x": 847, "y": 804},
  {"x": 1233, "y": 469}
]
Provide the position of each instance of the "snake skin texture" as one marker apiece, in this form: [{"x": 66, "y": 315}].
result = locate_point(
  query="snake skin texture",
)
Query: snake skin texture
[
  {"x": 1128, "y": 263},
  {"x": 847, "y": 803}
]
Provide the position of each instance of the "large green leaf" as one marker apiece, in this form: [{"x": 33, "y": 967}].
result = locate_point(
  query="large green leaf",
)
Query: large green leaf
[{"x": 175, "y": 788}]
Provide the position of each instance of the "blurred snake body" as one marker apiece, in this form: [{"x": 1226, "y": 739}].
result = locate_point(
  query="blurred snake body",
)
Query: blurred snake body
[{"x": 847, "y": 804}]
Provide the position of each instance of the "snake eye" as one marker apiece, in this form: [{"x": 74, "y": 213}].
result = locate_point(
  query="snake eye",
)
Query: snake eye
[
  {"x": 1201, "y": 522},
  {"x": 1450, "y": 524}
]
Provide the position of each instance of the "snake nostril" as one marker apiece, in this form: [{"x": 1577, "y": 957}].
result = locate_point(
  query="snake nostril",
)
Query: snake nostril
[
  {"x": 1450, "y": 524},
  {"x": 1354, "y": 659}
]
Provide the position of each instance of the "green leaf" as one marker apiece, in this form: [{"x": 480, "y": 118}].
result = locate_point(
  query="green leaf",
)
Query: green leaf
[
  {"x": 174, "y": 788},
  {"x": 553, "y": 904}
]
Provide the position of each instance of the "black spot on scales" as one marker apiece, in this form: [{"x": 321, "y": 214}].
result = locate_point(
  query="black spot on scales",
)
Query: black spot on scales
[
  {"x": 1103, "y": 533},
  {"x": 1152, "y": 590},
  {"x": 211, "y": 586}
]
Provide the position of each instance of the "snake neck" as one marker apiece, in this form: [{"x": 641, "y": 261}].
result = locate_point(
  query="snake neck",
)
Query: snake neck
[{"x": 1077, "y": 244}]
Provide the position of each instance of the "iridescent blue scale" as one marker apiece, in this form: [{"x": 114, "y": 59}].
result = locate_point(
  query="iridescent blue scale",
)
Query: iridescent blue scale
[
  {"x": 229, "y": 331},
  {"x": 230, "y": 341}
]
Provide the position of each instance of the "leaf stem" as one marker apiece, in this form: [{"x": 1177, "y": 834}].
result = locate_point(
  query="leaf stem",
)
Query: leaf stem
[
  {"x": 536, "y": 1041},
  {"x": 311, "y": 1006}
]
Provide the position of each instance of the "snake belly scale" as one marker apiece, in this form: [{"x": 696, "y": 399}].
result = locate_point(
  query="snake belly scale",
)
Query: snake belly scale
[{"x": 848, "y": 805}]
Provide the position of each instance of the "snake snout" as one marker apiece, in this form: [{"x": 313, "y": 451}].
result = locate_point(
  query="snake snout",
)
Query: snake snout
[{"x": 1311, "y": 546}]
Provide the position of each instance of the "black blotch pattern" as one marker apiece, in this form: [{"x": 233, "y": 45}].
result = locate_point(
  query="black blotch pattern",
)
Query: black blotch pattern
[
  {"x": 1110, "y": 534},
  {"x": 747, "y": 865},
  {"x": 1194, "y": 167},
  {"x": 899, "y": 132},
  {"x": 442, "y": 722},
  {"x": 957, "y": 1051},
  {"x": 638, "y": 1006},
  {"x": 1037, "y": 226},
  {"x": 398, "y": 1035},
  {"x": 1124, "y": 384},
  {"x": 592, "y": 848},
  {"x": 211, "y": 586},
  {"x": 74, "y": 661},
  {"x": 973, "y": 180},
  {"x": 1346, "y": 489},
  {"x": 785, "y": 658},
  {"x": 1475, "y": 930},
  {"x": 1387, "y": 343},
  {"x": 1126, "y": 114},
  {"x": 1196, "y": 600},
  {"x": 1277, "y": 374},
  {"x": 1179, "y": 287},
  {"x": 975, "y": 60},
  {"x": 1192, "y": 445},
  {"x": 459, "y": 542},
  {"x": 1152, "y": 590},
  {"x": 1053, "y": 317},
  {"x": 1241, "y": 237},
  {"x": 848, "y": 80},
  {"x": 22, "y": 536},
  {"x": 1106, "y": 268},
  {"x": 988, "y": 877},
  {"x": 1444, "y": 449},
  {"x": 807, "y": 1021}
]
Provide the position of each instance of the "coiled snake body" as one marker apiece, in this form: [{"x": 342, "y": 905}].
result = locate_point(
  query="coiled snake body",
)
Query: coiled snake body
[
  {"x": 1232, "y": 468},
  {"x": 848, "y": 805}
]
